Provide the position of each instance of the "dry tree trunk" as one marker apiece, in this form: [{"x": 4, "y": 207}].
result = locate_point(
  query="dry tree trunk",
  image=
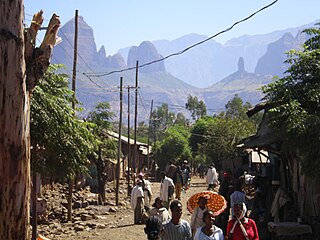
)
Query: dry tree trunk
[
  {"x": 14, "y": 125},
  {"x": 14, "y": 116}
]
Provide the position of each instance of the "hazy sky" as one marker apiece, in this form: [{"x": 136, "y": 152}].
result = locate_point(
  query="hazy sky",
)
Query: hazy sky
[{"x": 121, "y": 23}]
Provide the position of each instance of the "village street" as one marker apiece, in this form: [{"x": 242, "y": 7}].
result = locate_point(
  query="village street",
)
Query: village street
[
  {"x": 122, "y": 226},
  {"x": 119, "y": 224}
]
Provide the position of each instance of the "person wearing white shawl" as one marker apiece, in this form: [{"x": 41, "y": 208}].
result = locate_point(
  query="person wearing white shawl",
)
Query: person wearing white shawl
[{"x": 241, "y": 227}]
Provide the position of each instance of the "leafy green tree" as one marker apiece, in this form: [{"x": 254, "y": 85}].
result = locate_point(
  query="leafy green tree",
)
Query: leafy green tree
[
  {"x": 142, "y": 132},
  {"x": 60, "y": 141},
  {"x": 174, "y": 147},
  {"x": 181, "y": 120},
  {"x": 236, "y": 109},
  {"x": 197, "y": 108},
  {"x": 162, "y": 119},
  {"x": 101, "y": 115},
  {"x": 197, "y": 133},
  {"x": 222, "y": 136},
  {"x": 295, "y": 101}
]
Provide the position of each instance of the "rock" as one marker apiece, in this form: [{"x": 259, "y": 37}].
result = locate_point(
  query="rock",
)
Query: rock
[
  {"x": 78, "y": 228},
  {"x": 113, "y": 209},
  {"x": 76, "y": 204},
  {"x": 100, "y": 226},
  {"x": 86, "y": 217}
]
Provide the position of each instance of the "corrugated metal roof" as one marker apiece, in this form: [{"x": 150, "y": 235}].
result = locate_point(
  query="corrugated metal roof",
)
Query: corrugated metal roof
[{"x": 143, "y": 147}]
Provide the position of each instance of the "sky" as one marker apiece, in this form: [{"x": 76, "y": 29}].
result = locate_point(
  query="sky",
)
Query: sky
[{"x": 121, "y": 23}]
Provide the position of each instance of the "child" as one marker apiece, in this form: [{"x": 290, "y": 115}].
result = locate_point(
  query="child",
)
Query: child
[
  {"x": 153, "y": 228},
  {"x": 197, "y": 215}
]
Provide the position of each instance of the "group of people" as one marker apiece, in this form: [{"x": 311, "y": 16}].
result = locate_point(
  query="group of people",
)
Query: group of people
[
  {"x": 160, "y": 224},
  {"x": 173, "y": 180},
  {"x": 202, "y": 227}
]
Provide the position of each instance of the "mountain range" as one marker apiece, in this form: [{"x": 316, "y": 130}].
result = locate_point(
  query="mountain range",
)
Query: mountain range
[{"x": 212, "y": 71}]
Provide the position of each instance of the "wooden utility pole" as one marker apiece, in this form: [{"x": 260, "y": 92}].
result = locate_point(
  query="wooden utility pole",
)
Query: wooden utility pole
[
  {"x": 129, "y": 144},
  {"x": 119, "y": 147},
  {"x": 75, "y": 56},
  {"x": 135, "y": 121},
  {"x": 74, "y": 74},
  {"x": 149, "y": 138},
  {"x": 154, "y": 150}
]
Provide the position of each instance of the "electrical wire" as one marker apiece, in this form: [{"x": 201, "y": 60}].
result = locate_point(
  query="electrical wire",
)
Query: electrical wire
[{"x": 186, "y": 49}]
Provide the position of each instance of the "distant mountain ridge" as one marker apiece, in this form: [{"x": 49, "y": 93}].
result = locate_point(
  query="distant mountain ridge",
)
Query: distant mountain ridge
[{"x": 211, "y": 71}]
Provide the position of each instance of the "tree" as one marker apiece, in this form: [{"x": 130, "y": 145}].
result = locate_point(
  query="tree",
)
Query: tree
[
  {"x": 236, "y": 109},
  {"x": 162, "y": 119},
  {"x": 21, "y": 67},
  {"x": 198, "y": 132},
  {"x": 60, "y": 141},
  {"x": 222, "y": 136},
  {"x": 174, "y": 147},
  {"x": 197, "y": 108},
  {"x": 181, "y": 120},
  {"x": 295, "y": 103}
]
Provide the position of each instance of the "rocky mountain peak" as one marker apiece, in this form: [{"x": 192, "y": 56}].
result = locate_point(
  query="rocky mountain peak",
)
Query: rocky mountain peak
[
  {"x": 241, "y": 65},
  {"x": 87, "y": 48},
  {"x": 144, "y": 53}
]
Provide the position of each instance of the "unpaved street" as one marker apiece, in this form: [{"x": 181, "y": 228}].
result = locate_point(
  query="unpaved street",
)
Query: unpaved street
[{"x": 120, "y": 225}]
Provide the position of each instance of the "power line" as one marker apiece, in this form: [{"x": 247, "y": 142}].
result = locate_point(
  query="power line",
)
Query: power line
[
  {"x": 186, "y": 49},
  {"x": 142, "y": 102}
]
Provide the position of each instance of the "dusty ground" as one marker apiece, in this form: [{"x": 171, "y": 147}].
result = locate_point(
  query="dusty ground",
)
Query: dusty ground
[{"x": 120, "y": 225}]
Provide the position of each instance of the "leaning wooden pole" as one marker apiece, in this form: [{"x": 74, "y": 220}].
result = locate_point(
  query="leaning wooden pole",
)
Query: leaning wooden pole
[
  {"x": 119, "y": 147},
  {"x": 74, "y": 75}
]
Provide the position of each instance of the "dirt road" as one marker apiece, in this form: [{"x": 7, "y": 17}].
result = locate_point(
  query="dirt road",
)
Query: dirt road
[{"x": 120, "y": 225}]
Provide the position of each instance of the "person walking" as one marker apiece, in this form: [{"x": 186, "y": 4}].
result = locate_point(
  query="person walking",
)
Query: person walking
[
  {"x": 212, "y": 177},
  {"x": 197, "y": 215},
  {"x": 241, "y": 227},
  {"x": 159, "y": 211},
  {"x": 137, "y": 203},
  {"x": 186, "y": 173},
  {"x": 176, "y": 228},
  {"x": 147, "y": 191},
  {"x": 209, "y": 231},
  {"x": 153, "y": 228},
  {"x": 166, "y": 190},
  {"x": 178, "y": 182}
]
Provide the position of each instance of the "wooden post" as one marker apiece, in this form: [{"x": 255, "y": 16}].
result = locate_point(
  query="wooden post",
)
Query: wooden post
[
  {"x": 129, "y": 145},
  {"x": 135, "y": 121},
  {"x": 154, "y": 150},
  {"x": 119, "y": 147},
  {"x": 149, "y": 138},
  {"x": 74, "y": 74}
]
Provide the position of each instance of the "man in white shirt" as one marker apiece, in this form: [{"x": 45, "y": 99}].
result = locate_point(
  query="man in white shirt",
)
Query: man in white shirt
[
  {"x": 212, "y": 177},
  {"x": 166, "y": 189},
  {"x": 137, "y": 203},
  {"x": 147, "y": 192}
]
